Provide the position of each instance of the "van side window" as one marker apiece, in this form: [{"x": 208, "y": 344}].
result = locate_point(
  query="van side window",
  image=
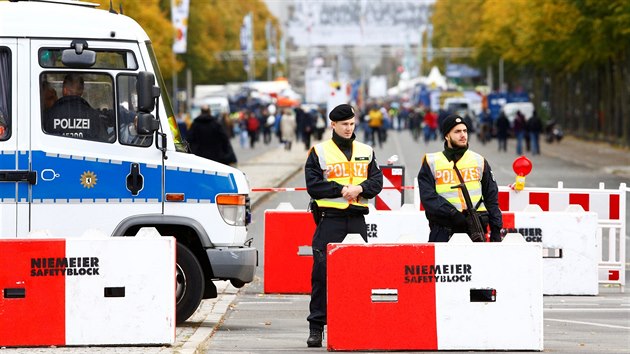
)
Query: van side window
[
  {"x": 78, "y": 105},
  {"x": 127, "y": 112},
  {"x": 5, "y": 94}
]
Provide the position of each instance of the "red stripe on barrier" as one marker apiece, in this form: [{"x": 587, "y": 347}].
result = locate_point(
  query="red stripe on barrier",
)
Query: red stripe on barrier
[
  {"x": 287, "y": 234},
  {"x": 34, "y": 312},
  {"x": 504, "y": 201},
  {"x": 508, "y": 220},
  {"x": 541, "y": 199},
  {"x": 357, "y": 320},
  {"x": 614, "y": 207},
  {"x": 580, "y": 199}
]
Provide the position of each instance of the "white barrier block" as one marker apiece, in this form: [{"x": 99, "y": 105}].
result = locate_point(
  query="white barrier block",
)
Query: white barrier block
[
  {"x": 43, "y": 233},
  {"x": 513, "y": 237},
  {"x": 93, "y": 233},
  {"x": 285, "y": 206},
  {"x": 124, "y": 292},
  {"x": 148, "y": 232},
  {"x": 353, "y": 239},
  {"x": 408, "y": 207},
  {"x": 574, "y": 208},
  {"x": 569, "y": 239},
  {"x": 386, "y": 226},
  {"x": 533, "y": 208},
  {"x": 514, "y": 321},
  {"x": 407, "y": 238},
  {"x": 460, "y": 238}
]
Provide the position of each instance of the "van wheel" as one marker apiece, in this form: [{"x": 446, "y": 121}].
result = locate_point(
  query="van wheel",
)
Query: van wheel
[{"x": 189, "y": 284}]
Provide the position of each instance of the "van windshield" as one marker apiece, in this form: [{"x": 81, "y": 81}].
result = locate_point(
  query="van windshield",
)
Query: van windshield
[
  {"x": 105, "y": 59},
  {"x": 180, "y": 145}
]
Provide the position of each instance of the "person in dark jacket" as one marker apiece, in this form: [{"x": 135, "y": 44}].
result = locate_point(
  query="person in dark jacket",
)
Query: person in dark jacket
[
  {"x": 503, "y": 129},
  {"x": 438, "y": 179},
  {"x": 208, "y": 139},
  {"x": 341, "y": 175},
  {"x": 534, "y": 127}
]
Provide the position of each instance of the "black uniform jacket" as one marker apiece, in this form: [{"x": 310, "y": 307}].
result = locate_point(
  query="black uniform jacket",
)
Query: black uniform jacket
[
  {"x": 440, "y": 211},
  {"x": 319, "y": 188}
]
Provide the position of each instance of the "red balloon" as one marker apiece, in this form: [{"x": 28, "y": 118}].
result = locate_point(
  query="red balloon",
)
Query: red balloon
[{"x": 522, "y": 166}]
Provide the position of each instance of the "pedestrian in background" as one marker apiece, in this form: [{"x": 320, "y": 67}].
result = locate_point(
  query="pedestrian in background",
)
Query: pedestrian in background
[
  {"x": 288, "y": 126},
  {"x": 519, "y": 131},
  {"x": 253, "y": 125},
  {"x": 430, "y": 126},
  {"x": 208, "y": 139},
  {"x": 438, "y": 180},
  {"x": 376, "y": 125},
  {"x": 340, "y": 201},
  {"x": 307, "y": 125},
  {"x": 534, "y": 127},
  {"x": 503, "y": 129}
]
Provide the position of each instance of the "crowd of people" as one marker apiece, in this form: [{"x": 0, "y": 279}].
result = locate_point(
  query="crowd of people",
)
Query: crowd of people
[{"x": 306, "y": 124}]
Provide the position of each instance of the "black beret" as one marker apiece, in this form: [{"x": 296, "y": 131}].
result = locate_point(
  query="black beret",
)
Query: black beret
[
  {"x": 451, "y": 121},
  {"x": 341, "y": 112}
]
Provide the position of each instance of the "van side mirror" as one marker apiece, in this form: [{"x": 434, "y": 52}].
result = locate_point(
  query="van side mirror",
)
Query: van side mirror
[
  {"x": 147, "y": 92},
  {"x": 147, "y": 124}
]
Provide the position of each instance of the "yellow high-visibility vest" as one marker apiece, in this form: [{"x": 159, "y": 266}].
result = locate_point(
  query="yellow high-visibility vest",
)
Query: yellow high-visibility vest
[
  {"x": 470, "y": 166},
  {"x": 337, "y": 168}
]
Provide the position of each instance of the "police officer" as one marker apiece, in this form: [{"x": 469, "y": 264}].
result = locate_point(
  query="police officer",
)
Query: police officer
[
  {"x": 341, "y": 174},
  {"x": 72, "y": 116},
  {"x": 444, "y": 205}
]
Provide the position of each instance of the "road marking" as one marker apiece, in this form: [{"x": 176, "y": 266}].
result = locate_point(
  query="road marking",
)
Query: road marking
[{"x": 587, "y": 323}]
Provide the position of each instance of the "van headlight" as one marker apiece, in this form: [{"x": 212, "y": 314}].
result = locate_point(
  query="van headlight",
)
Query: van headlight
[{"x": 233, "y": 208}]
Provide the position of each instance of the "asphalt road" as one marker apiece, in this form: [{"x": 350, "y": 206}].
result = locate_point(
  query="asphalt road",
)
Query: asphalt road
[{"x": 265, "y": 323}]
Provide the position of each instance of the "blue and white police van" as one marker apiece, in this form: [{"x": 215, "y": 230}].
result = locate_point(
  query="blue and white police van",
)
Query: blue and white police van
[{"x": 88, "y": 140}]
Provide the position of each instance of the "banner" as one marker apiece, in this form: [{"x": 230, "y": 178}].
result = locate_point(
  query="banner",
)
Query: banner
[
  {"x": 179, "y": 16},
  {"x": 247, "y": 40}
]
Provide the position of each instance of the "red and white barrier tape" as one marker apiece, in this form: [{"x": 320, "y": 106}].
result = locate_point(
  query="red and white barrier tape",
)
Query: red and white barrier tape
[{"x": 300, "y": 189}]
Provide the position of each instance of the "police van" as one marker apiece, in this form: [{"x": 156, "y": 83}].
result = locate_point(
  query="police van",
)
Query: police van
[{"x": 88, "y": 140}]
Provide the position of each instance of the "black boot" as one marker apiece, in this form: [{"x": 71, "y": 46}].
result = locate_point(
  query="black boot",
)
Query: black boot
[{"x": 315, "y": 338}]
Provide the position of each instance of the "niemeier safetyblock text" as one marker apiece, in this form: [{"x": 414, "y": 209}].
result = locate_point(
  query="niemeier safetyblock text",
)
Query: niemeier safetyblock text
[{"x": 59, "y": 266}]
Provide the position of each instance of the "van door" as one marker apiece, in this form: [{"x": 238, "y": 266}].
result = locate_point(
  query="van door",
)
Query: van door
[
  {"x": 93, "y": 169},
  {"x": 8, "y": 138}
]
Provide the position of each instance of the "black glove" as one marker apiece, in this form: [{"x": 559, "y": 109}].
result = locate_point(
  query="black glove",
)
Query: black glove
[{"x": 458, "y": 219}]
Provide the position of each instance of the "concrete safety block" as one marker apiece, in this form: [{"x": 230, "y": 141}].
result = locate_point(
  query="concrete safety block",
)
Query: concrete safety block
[
  {"x": 461, "y": 296},
  {"x": 87, "y": 291}
]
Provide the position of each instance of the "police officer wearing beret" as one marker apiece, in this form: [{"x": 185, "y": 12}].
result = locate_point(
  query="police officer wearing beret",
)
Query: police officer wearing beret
[
  {"x": 341, "y": 175},
  {"x": 444, "y": 203}
]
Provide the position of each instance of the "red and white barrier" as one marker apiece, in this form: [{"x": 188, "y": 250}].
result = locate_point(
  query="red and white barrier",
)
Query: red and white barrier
[
  {"x": 87, "y": 291},
  {"x": 391, "y": 197},
  {"x": 455, "y": 296},
  {"x": 609, "y": 204},
  {"x": 569, "y": 239}
]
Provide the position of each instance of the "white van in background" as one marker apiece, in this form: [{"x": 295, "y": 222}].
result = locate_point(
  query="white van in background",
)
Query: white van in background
[
  {"x": 117, "y": 163},
  {"x": 218, "y": 106},
  {"x": 510, "y": 109}
]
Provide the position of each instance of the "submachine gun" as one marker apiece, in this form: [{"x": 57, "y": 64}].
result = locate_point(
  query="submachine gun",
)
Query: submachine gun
[{"x": 475, "y": 229}]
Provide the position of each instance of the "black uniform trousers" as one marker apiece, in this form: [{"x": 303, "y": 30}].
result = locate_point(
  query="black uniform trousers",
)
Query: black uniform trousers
[{"x": 330, "y": 229}]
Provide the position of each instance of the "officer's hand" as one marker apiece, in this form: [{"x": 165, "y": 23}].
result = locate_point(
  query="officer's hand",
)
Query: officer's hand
[
  {"x": 351, "y": 192},
  {"x": 458, "y": 219}
]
